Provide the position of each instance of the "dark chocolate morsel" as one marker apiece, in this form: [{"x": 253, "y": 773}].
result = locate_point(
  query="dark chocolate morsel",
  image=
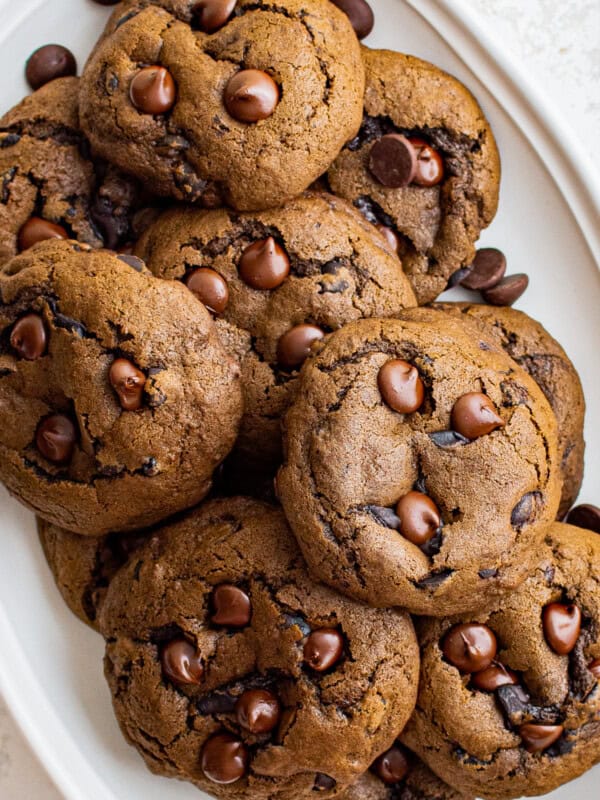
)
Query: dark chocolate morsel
[
  {"x": 392, "y": 766},
  {"x": 37, "y": 230},
  {"x": 55, "y": 438},
  {"x": 526, "y": 510},
  {"x": 471, "y": 647},
  {"x": 392, "y": 161},
  {"x": 401, "y": 386},
  {"x": 28, "y": 337},
  {"x": 419, "y": 517},
  {"x": 539, "y": 737},
  {"x": 585, "y": 516},
  {"x": 210, "y": 15},
  {"x": 132, "y": 261},
  {"x": 224, "y": 759},
  {"x": 232, "y": 606},
  {"x": 49, "y": 62},
  {"x": 562, "y": 626},
  {"x": 295, "y": 345},
  {"x": 323, "y": 783},
  {"x": 251, "y": 95},
  {"x": 152, "y": 90},
  {"x": 209, "y": 287},
  {"x": 507, "y": 291},
  {"x": 487, "y": 270},
  {"x": 128, "y": 382},
  {"x": 494, "y": 676},
  {"x": 448, "y": 438},
  {"x": 323, "y": 648},
  {"x": 181, "y": 663},
  {"x": 430, "y": 164},
  {"x": 264, "y": 264},
  {"x": 359, "y": 13},
  {"x": 474, "y": 415},
  {"x": 258, "y": 711}
]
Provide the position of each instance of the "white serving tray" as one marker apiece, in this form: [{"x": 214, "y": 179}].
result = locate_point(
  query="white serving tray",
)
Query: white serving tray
[{"x": 549, "y": 226}]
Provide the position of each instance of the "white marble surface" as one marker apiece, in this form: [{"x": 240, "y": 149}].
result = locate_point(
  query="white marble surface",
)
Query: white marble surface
[{"x": 559, "y": 43}]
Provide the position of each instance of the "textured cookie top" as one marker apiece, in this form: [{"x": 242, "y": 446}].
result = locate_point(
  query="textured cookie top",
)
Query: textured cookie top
[
  {"x": 189, "y": 135},
  {"x": 531, "y": 720},
  {"x": 117, "y": 398},
  {"x": 228, "y": 588},
  {"x": 434, "y": 502},
  {"x": 438, "y": 224}
]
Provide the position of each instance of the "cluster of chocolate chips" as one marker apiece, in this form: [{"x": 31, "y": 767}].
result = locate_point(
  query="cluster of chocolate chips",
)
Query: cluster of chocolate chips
[{"x": 487, "y": 274}]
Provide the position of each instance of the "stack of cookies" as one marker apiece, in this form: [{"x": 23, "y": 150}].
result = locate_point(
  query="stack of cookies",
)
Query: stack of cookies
[{"x": 315, "y": 514}]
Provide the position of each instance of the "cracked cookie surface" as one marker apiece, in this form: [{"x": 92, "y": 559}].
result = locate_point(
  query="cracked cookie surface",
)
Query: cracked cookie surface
[
  {"x": 350, "y": 459},
  {"x": 332, "y": 719},
  {"x": 196, "y": 150},
  {"x": 118, "y": 400}
]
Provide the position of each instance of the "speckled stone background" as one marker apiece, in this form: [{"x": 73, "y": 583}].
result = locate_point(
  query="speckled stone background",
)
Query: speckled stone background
[{"x": 558, "y": 41}]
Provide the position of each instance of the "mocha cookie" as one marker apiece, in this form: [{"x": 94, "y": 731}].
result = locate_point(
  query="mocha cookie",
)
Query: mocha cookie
[
  {"x": 424, "y": 166},
  {"x": 509, "y": 701},
  {"x": 532, "y": 347},
  {"x": 420, "y": 469},
  {"x": 238, "y": 102},
  {"x": 277, "y": 281},
  {"x": 231, "y": 668},
  {"x": 118, "y": 400}
]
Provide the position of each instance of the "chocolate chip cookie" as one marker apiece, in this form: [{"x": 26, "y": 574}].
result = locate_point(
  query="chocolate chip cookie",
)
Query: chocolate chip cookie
[
  {"x": 532, "y": 347},
  {"x": 509, "y": 702},
  {"x": 238, "y": 102},
  {"x": 420, "y": 468},
  {"x": 424, "y": 165},
  {"x": 231, "y": 668},
  {"x": 277, "y": 281},
  {"x": 118, "y": 400}
]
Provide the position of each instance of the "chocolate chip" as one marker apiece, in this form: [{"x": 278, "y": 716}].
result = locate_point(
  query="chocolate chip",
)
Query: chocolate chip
[
  {"x": 594, "y": 668},
  {"x": 224, "y": 759},
  {"x": 585, "y": 516},
  {"x": 457, "y": 277},
  {"x": 419, "y": 517},
  {"x": 323, "y": 648},
  {"x": 448, "y": 438},
  {"x": 107, "y": 2},
  {"x": 132, "y": 261},
  {"x": 55, "y": 438},
  {"x": 494, "y": 676},
  {"x": 209, "y": 287},
  {"x": 28, "y": 337},
  {"x": 475, "y": 415},
  {"x": 216, "y": 703},
  {"x": 251, "y": 95},
  {"x": 526, "y": 510},
  {"x": 264, "y": 264},
  {"x": 323, "y": 783},
  {"x": 539, "y": 737},
  {"x": 232, "y": 606},
  {"x": 487, "y": 270},
  {"x": 401, "y": 386},
  {"x": 434, "y": 579},
  {"x": 507, "y": 291},
  {"x": 258, "y": 711},
  {"x": 562, "y": 626},
  {"x": 153, "y": 90},
  {"x": 471, "y": 647},
  {"x": 488, "y": 573},
  {"x": 210, "y": 15},
  {"x": 384, "y": 516},
  {"x": 47, "y": 63},
  {"x": 181, "y": 663},
  {"x": 359, "y": 13},
  {"x": 390, "y": 236},
  {"x": 514, "y": 701},
  {"x": 392, "y": 161},
  {"x": 37, "y": 230},
  {"x": 128, "y": 382},
  {"x": 392, "y": 766},
  {"x": 295, "y": 345},
  {"x": 430, "y": 165}
]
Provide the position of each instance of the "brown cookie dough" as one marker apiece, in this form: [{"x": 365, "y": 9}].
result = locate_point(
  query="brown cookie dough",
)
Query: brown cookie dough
[
  {"x": 531, "y": 720},
  {"x": 420, "y": 468},
  {"x": 532, "y": 347},
  {"x": 118, "y": 400},
  {"x": 313, "y": 262},
  {"x": 248, "y": 114},
  {"x": 436, "y": 224},
  {"x": 228, "y": 663}
]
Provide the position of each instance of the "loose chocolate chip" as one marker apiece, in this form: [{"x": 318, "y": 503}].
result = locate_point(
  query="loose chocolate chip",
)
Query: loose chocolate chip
[
  {"x": 181, "y": 663},
  {"x": 323, "y": 648},
  {"x": 419, "y": 517},
  {"x": 457, "y": 277},
  {"x": 448, "y": 438},
  {"x": 107, "y": 2},
  {"x": 475, "y": 415},
  {"x": 55, "y": 438},
  {"x": 585, "y": 516},
  {"x": 224, "y": 759},
  {"x": 562, "y": 626},
  {"x": 47, "y": 63},
  {"x": 393, "y": 161},
  {"x": 430, "y": 165},
  {"x": 232, "y": 606},
  {"x": 210, "y": 15},
  {"x": 390, "y": 237},
  {"x": 128, "y": 382},
  {"x": 209, "y": 287},
  {"x": 539, "y": 737},
  {"x": 264, "y": 264},
  {"x": 401, "y": 386},
  {"x": 526, "y": 510},
  {"x": 494, "y": 676},
  {"x": 487, "y": 270},
  {"x": 392, "y": 766},
  {"x": 323, "y": 783},
  {"x": 594, "y": 668},
  {"x": 359, "y": 13},
  {"x": 28, "y": 337},
  {"x": 258, "y": 711},
  {"x": 294, "y": 346},
  {"x": 507, "y": 291},
  {"x": 153, "y": 90},
  {"x": 251, "y": 95},
  {"x": 37, "y": 230},
  {"x": 132, "y": 261},
  {"x": 470, "y": 647}
]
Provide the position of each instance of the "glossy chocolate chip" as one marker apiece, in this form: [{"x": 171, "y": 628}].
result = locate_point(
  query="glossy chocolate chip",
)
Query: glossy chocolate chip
[
  {"x": 232, "y": 607},
  {"x": 447, "y": 439},
  {"x": 487, "y": 270},
  {"x": 475, "y": 415},
  {"x": 390, "y": 236},
  {"x": 392, "y": 161},
  {"x": 37, "y": 230},
  {"x": 224, "y": 759},
  {"x": 28, "y": 337},
  {"x": 153, "y": 90},
  {"x": 401, "y": 386},
  {"x": 264, "y": 264},
  {"x": 132, "y": 261},
  {"x": 430, "y": 164},
  {"x": 209, "y": 287},
  {"x": 471, "y": 647},
  {"x": 419, "y": 517},
  {"x": 49, "y": 62},
  {"x": 359, "y": 13},
  {"x": 323, "y": 783},
  {"x": 507, "y": 291},
  {"x": 55, "y": 438},
  {"x": 128, "y": 382},
  {"x": 251, "y": 95},
  {"x": 294, "y": 346},
  {"x": 258, "y": 711},
  {"x": 585, "y": 516},
  {"x": 210, "y": 15},
  {"x": 526, "y": 510},
  {"x": 539, "y": 737},
  {"x": 392, "y": 766},
  {"x": 457, "y": 277},
  {"x": 494, "y": 676},
  {"x": 594, "y": 668},
  {"x": 181, "y": 663},
  {"x": 323, "y": 648},
  {"x": 562, "y": 626}
]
